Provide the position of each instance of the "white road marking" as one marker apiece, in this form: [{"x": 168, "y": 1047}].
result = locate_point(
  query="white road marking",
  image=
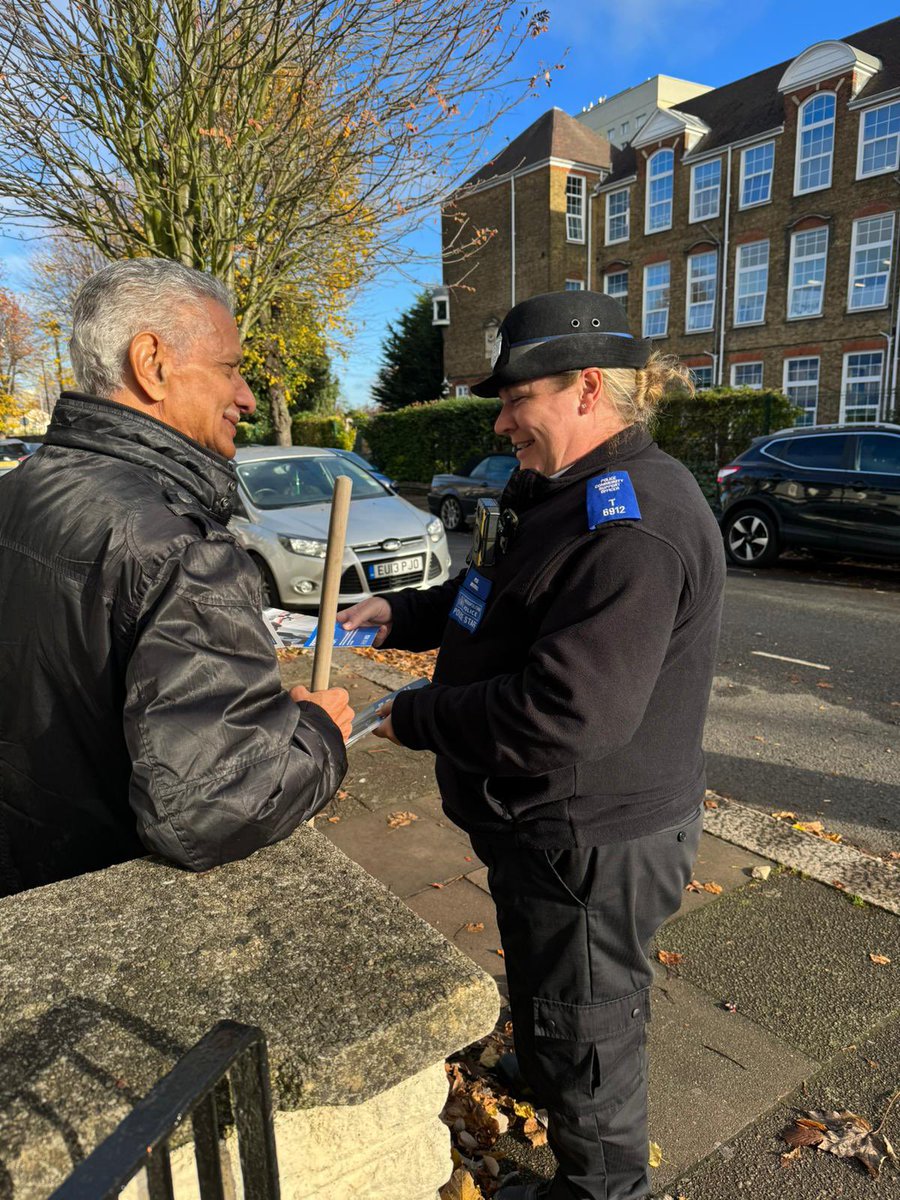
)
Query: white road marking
[{"x": 801, "y": 662}]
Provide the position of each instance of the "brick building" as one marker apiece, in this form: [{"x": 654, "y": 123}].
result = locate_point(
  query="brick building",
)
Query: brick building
[
  {"x": 751, "y": 230},
  {"x": 537, "y": 197}
]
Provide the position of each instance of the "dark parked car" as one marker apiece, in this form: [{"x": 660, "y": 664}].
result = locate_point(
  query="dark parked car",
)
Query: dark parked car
[
  {"x": 365, "y": 464},
  {"x": 831, "y": 488},
  {"x": 453, "y": 497}
]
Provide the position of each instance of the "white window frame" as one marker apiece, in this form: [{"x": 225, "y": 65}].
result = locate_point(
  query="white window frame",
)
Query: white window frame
[
  {"x": 807, "y": 316},
  {"x": 798, "y": 161},
  {"x": 741, "y": 271},
  {"x": 735, "y": 367},
  {"x": 844, "y": 380},
  {"x": 691, "y": 304},
  {"x": 743, "y": 180},
  {"x": 461, "y": 390},
  {"x": 645, "y": 312},
  {"x": 703, "y": 386},
  {"x": 860, "y": 151},
  {"x": 706, "y": 216},
  {"x": 611, "y": 241},
  {"x": 578, "y": 194},
  {"x": 671, "y": 200},
  {"x": 803, "y": 383},
  {"x": 574, "y": 285},
  {"x": 621, "y": 297},
  {"x": 852, "y": 291}
]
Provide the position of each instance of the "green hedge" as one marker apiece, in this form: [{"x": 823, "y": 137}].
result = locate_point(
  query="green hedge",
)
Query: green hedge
[
  {"x": 414, "y": 443},
  {"x": 709, "y": 429},
  {"x": 715, "y": 425},
  {"x": 308, "y": 429}
]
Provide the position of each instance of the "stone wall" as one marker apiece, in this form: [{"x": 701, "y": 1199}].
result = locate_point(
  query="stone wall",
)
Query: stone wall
[{"x": 106, "y": 980}]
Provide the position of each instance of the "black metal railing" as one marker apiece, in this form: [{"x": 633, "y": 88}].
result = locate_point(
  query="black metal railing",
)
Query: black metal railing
[{"x": 230, "y": 1050}]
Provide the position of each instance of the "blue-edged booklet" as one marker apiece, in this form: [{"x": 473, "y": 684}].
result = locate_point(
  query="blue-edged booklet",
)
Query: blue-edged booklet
[
  {"x": 368, "y": 719},
  {"x": 297, "y": 629}
]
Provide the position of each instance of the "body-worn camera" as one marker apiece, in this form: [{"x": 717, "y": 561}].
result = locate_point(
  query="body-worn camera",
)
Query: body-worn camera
[{"x": 484, "y": 536}]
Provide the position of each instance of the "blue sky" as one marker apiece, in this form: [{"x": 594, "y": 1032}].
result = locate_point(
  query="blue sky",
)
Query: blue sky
[{"x": 606, "y": 46}]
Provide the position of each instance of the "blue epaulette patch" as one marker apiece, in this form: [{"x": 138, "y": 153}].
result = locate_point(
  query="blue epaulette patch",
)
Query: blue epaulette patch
[{"x": 611, "y": 498}]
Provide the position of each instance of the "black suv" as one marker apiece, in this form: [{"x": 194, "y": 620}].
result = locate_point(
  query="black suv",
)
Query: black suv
[{"x": 834, "y": 488}]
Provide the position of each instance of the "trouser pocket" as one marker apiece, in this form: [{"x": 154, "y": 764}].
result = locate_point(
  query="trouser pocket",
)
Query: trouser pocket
[{"x": 585, "y": 1055}]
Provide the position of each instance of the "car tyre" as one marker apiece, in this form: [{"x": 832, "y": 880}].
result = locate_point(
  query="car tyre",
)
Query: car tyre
[
  {"x": 451, "y": 514},
  {"x": 268, "y": 586},
  {"x": 751, "y": 538}
]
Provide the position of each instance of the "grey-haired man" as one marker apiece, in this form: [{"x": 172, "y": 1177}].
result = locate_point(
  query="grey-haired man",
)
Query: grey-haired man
[{"x": 142, "y": 707}]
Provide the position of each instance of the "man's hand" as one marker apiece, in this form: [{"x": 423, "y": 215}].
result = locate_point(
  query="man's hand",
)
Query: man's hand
[
  {"x": 335, "y": 702},
  {"x": 386, "y": 728},
  {"x": 374, "y": 611}
]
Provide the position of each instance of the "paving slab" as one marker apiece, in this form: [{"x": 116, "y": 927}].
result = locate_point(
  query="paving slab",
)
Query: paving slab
[
  {"x": 721, "y": 864},
  {"x": 458, "y": 904},
  {"x": 793, "y": 955},
  {"x": 407, "y": 859},
  {"x": 861, "y": 1079},
  {"x": 711, "y": 1073}
]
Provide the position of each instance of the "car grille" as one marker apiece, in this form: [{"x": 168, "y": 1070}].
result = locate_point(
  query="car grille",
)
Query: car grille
[
  {"x": 350, "y": 582},
  {"x": 434, "y": 567},
  {"x": 374, "y": 547}
]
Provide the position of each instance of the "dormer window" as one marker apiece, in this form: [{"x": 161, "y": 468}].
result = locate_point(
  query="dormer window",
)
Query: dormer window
[
  {"x": 660, "y": 172},
  {"x": 815, "y": 143}
]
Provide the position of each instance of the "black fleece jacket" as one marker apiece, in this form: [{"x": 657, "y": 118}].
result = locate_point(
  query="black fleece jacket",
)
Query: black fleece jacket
[{"x": 573, "y": 714}]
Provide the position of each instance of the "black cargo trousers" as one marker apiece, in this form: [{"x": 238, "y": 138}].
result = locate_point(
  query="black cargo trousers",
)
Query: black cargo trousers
[{"x": 576, "y": 927}]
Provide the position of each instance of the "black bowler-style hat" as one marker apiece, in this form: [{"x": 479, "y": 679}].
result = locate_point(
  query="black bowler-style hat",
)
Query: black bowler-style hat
[{"x": 561, "y": 331}]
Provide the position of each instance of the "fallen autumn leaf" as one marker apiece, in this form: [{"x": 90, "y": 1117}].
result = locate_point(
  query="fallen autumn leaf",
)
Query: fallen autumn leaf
[
  {"x": 396, "y": 820},
  {"x": 844, "y": 1134}
]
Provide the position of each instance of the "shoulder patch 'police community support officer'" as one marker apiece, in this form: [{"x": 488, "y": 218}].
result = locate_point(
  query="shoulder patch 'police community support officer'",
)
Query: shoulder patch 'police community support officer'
[{"x": 611, "y": 498}]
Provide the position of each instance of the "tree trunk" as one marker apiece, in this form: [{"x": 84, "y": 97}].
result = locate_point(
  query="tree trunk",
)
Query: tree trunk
[{"x": 281, "y": 418}]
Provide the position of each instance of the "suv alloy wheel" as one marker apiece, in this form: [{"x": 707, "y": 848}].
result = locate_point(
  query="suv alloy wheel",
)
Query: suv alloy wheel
[{"x": 751, "y": 539}]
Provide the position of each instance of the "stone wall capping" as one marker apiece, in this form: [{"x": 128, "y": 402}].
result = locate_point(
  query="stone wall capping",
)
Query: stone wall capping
[{"x": 107, "y": 979}]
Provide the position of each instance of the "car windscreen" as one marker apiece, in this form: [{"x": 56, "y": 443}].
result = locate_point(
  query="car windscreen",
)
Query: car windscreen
[{"x": 294, "y": 481}]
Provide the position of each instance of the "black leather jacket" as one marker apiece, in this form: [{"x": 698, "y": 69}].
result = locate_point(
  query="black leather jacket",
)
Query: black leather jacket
[{"x": 140, "y": 702}]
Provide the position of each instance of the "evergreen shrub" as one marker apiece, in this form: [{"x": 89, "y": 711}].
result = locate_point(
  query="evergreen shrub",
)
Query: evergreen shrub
[
  {"x": 311, "y": 429},
  {"x": 709, "y": 429},
  {"x": 415, "y": 442}
]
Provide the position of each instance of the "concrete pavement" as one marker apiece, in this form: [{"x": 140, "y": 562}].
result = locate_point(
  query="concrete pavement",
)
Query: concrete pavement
[{"x": 811, "y": 1022}]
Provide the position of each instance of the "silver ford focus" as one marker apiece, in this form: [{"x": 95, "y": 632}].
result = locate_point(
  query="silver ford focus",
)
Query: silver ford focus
[{"x": 281, "y": 520}]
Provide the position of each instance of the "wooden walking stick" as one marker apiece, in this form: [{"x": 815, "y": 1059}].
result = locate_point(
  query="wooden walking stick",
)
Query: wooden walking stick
[{"x": 331, "y": 582}]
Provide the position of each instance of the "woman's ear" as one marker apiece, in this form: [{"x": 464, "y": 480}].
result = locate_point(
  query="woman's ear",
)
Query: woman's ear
[{"x": 591, "y": 388}]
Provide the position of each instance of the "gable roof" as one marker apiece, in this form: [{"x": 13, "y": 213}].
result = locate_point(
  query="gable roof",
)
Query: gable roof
[
  {"x": 553, "y": 135},
  {"x": 754, "y": 105}
]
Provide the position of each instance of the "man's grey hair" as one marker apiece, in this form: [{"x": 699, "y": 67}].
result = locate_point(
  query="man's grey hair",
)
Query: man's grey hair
[{"x": 127, "y": 298}]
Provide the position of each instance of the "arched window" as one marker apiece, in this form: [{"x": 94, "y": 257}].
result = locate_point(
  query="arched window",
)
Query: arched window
[
  {"x": 660, "y": 172},
  {"x": 815, "y": 143}
]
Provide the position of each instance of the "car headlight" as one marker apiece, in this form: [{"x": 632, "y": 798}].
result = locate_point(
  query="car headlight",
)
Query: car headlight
[
  {"x": 309, "y": 547},
  {"x": 435, "y": 530}
]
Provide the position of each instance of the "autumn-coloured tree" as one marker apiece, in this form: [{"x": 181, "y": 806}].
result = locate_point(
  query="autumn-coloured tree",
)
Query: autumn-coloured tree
[
  {"x": 17, "y": 345},
  {"x": 248, "y": 138}
]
